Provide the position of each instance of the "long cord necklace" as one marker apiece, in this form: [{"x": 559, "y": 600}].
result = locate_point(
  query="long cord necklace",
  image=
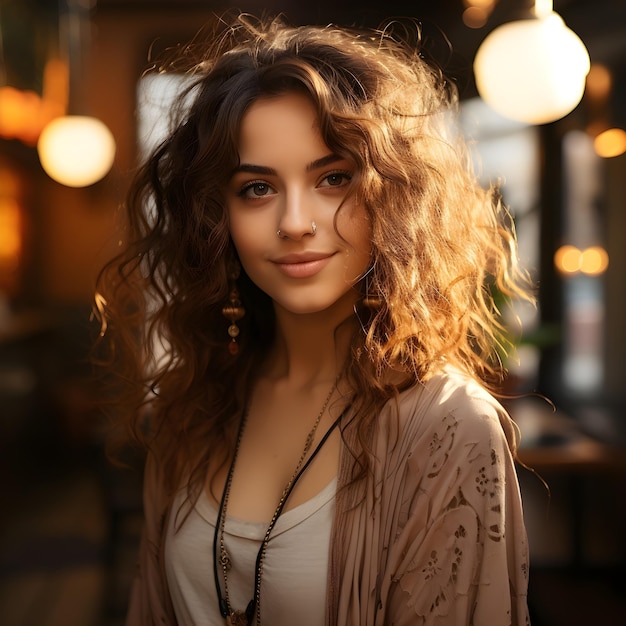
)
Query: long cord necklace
[{"x": 221, "y": 558}]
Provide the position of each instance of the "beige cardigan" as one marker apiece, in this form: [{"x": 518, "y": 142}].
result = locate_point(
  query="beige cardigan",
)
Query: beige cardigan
[{"x": 434, "y": 536}]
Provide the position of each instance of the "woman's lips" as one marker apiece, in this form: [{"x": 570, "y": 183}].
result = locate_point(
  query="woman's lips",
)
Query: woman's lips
[{"x": 302, "y": 267}]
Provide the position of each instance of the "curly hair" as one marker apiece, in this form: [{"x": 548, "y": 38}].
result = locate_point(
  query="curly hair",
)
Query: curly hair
[{"x": 441, "y": 244}]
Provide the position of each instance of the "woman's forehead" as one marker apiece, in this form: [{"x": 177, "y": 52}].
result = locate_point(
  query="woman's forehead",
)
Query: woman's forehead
[{"x": 280, "y": 123}]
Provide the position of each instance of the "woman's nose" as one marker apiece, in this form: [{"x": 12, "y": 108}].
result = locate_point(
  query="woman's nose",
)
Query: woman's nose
[{"x": 296, "y": 220}]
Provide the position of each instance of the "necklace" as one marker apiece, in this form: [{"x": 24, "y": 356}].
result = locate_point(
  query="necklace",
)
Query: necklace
[{"x": 221, "y": 558}]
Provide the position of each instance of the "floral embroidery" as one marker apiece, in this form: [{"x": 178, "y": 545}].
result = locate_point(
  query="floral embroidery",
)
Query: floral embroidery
[
  {"x": 441, "y": 444},
  {"x": 431, "y": 569},
  {"x": 482, "y": 481},
  {"x": 435, "y": 444},
  {"x": 450, "y": 562}
]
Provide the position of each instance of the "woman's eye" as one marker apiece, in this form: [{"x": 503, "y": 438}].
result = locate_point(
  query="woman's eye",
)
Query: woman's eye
[
  {"x": 256, "y": 190},
  {"x": 336, "y": 179}
]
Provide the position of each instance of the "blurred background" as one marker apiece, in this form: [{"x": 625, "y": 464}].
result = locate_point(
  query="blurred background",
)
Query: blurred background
[{"x": 70, "y": 522}]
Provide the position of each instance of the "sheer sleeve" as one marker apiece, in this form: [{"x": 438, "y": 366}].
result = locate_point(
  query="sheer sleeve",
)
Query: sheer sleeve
[{"x": 460, "y": 552}]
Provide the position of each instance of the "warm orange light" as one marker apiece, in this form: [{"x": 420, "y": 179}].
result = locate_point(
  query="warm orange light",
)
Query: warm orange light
[
  {"x": 76, "y": 150},
  {"x": 591, "y": 261},
  {"x": 487, "y": 5},
  {"x": 594, "y": 261},
  {"x": 475, "y": 17},
  {"x": 477, "y": 12},
  {"x": 598, "y": 82},
  {"x": 56, "y": 84},
  {"x": 13, "y": 107},
  {"x": 10, "y": 233},
  {"x": 567, "y": 259},
  {"x": 610, "y": 143},
  {"x": 23, "y": 114}
]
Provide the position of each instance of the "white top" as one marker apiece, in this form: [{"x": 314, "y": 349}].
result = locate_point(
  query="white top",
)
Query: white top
[{"x": 295, "y": 570}]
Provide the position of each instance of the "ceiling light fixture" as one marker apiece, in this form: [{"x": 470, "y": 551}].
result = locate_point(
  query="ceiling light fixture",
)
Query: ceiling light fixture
[
  {"x": 532, "y": 70},
  {"x": 76, "y": 150}
]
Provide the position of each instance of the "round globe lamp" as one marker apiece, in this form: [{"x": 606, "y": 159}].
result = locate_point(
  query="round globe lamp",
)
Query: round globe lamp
[
  {"x": 76, "y": 150},
  {"x": 532, "y": 70}
]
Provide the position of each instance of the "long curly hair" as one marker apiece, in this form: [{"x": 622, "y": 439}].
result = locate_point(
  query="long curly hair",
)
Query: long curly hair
[{"x": 441, "y": 244}]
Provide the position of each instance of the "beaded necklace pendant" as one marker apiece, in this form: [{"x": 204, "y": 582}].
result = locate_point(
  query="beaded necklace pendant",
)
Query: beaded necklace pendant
[{"x": 237, "y": 618}]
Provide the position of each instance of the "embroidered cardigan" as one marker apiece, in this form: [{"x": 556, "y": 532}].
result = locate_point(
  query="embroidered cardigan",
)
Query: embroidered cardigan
[{"x": 433, "y": 536}]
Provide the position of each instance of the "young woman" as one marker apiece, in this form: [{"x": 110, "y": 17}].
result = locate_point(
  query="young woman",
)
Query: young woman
[{"x": 303, "y": 321}]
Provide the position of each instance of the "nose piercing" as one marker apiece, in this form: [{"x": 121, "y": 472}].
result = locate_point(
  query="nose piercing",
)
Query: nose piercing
[{"x": 313, "y": 230}]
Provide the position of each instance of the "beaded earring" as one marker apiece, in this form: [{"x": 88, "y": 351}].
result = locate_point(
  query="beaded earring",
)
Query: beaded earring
[
  {"x": 371, "y": 298},
  {"x": 233, "y": 311}
]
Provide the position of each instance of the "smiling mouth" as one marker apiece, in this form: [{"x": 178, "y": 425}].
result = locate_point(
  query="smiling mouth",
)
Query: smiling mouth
[{"x": 304, "y": 268}]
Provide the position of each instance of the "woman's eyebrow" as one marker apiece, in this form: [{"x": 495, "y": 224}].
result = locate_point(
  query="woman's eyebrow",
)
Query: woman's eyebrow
[
  {"x": 250, "y": 168},
  {"x": 323, "y": 162}
]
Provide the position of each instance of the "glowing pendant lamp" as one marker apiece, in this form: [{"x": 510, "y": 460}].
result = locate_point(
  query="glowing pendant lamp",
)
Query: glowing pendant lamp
[
  {"x": 532, "y": 70},
  {"x": 76, "y": 150}
]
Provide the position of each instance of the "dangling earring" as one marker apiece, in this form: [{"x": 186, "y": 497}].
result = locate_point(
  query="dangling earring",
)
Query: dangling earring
[
  {"x": 371, "y": 299},
  {"x": 233, "y": 311}
]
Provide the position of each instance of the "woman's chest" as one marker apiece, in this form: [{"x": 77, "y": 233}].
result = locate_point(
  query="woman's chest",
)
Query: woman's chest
[
  {"x": 294, "y": 571},
  {"x": 277, "y": 461}
]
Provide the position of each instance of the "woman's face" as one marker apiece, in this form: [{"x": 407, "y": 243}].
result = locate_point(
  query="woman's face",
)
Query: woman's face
[{"x": 282, "y": 203}]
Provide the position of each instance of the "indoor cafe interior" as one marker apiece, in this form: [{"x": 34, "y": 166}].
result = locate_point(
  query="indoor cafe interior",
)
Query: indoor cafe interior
[{"x": 542, "y": 89}]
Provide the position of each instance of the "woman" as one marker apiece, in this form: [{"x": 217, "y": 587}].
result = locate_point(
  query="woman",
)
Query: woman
[{"x": 304, "y": 309}]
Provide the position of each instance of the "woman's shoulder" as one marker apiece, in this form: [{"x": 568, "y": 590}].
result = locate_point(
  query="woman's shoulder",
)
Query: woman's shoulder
[
  {"x": 450, "y": 390},
  {"x": 451, "y": 405}
]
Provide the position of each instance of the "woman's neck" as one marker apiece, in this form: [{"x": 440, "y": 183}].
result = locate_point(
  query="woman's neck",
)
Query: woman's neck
[{"x": 309, "y": 349}]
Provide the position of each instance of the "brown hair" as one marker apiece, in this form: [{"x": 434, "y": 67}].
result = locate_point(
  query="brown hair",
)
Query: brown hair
[{"x": 441, "y": 244}]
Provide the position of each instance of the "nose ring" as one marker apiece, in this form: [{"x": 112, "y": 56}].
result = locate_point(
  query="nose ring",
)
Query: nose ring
[{"x": 313, "y": 230}]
